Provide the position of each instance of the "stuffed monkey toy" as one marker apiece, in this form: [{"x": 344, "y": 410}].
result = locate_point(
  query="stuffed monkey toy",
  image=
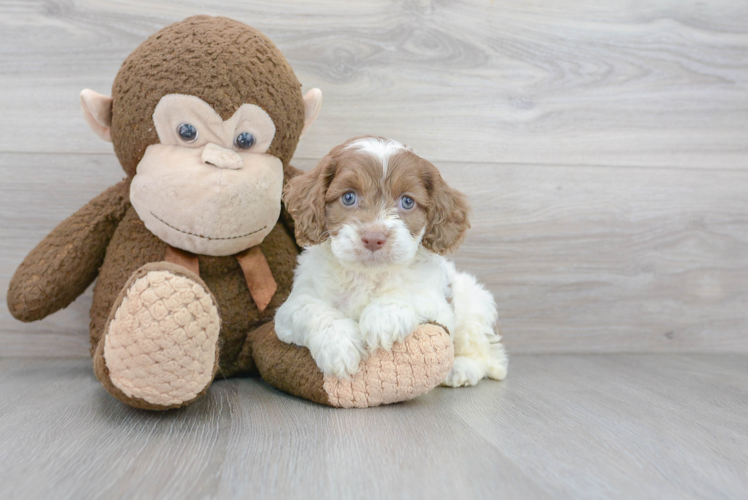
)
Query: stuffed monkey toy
[{"x": 192, "y": 250}]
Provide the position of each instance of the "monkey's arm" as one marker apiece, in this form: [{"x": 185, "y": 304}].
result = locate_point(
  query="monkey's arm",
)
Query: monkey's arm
[{"x": 64, "y": 263}]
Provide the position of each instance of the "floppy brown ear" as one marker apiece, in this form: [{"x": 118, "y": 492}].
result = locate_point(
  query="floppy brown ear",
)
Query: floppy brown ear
[
  {"x": 304, "y": 196},
  {"x": 448, "y": 214}
]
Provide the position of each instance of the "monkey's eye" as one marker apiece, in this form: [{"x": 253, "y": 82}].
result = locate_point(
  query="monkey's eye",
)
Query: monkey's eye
[
  {"x": 406, "y": 202},
  {"x": 187, "y": 132},
  {"x": 348, "y": 199},
  {"x": 245, "y": 140}
]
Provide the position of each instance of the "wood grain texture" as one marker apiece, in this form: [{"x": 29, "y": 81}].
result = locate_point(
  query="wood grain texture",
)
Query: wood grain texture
[
  {"x": 604, "y": 147},
  {"x": 572, "y": 82},
  {"x": 596, "y": 426},
  {"x": 580, "y": 259}
]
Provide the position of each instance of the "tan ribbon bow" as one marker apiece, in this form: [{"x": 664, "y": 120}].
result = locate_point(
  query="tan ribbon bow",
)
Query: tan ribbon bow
[{"x": 257, "y": 274}]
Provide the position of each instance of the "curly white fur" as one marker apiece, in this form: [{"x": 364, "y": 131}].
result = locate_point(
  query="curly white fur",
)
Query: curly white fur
[{"x": 342, "y": 307}]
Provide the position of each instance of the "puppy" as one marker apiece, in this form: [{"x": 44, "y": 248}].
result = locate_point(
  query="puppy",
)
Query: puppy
[{"x": 375, "y": 220}]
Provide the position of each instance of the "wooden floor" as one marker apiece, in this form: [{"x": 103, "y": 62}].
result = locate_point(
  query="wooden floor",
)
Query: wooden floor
[
  {"x": 561, "y": 426},
  {"x": 604, "y": 148}
]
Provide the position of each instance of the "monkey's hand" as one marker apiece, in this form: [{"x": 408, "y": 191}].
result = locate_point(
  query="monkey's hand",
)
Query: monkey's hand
[{"x": 62, "y": 266}]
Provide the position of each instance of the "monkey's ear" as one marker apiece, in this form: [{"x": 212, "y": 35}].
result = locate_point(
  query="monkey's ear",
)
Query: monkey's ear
[
  {"x": 312, "y": 105},
  {"x": 97, "y": 110}
]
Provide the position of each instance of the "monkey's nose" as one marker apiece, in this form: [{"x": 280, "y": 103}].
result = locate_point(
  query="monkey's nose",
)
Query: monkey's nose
[
  {"x": 373, "y": 240},
  {"x": 221, "y": 157}
]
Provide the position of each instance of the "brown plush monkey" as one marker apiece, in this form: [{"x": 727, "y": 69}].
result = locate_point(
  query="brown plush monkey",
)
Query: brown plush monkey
[{"x": 192, "y": 250}]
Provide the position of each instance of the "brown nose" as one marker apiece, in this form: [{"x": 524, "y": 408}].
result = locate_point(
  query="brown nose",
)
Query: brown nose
[{"x": 373, "y": 240}]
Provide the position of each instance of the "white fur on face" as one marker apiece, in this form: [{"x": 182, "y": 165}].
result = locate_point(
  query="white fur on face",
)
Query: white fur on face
[
  {"x": 400, "y": 249},
  {"x": 381, "y": 149},
  {"x": 348, "y": 301}
]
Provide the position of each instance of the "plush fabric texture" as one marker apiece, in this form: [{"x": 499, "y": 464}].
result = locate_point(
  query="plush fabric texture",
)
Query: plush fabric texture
[
  {"x": 160, "y": 342},
  {"x": 226, "y": 64},
  {"x": 223, "y": 62},
  {"x": 208, "y": 224},
  {"x": 413, "y": 368},
  {"x": 97, "y": 111},
  {"x": 286, "y": 367},
  {"x": 133, "y": 246},
  {"x": 172, "y": 110},
  {"x": 67, "y": 260},
  {"x": 102, "y": 373}
]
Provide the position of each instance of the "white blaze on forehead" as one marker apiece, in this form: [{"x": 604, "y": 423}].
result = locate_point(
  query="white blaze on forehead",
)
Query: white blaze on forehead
[{"x": 381, "y": 149}]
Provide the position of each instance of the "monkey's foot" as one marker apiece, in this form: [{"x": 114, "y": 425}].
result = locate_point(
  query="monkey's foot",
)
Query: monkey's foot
[
  {"x": 412, "y": 368},
  {"x": 159, "y": 348}
]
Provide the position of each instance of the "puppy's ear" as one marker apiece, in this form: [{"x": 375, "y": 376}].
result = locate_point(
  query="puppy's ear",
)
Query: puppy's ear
[
  {"x": 304, "y": 196},
  {"x": 448, "y": 214}
]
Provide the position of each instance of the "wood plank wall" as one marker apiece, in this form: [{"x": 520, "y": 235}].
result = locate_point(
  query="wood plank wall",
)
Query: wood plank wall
[{"x": 604, "y": 146}]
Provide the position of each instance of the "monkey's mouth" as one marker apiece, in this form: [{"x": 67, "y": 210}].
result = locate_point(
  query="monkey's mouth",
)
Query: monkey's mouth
[{"x": 209, "y": 238}]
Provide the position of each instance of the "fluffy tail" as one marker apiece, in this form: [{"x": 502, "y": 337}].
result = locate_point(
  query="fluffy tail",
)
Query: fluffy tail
[{"x": 476, "y": 335}]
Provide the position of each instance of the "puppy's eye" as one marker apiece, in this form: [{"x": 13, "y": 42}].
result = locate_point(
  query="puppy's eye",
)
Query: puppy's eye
[
  {"x": 187, "y": 132},
  {"x": 406, "y": 202},
  {"x": 348, "y": 199},
  {"x": 245, "y": 140}
]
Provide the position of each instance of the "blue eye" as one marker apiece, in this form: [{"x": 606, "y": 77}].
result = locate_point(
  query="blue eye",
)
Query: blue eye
[
  {"x": 187, "y": 132},
  {"x": 406, "y": 202},
  {"x": 348, "y": 199},
  {"x": 245, "y": 140}
]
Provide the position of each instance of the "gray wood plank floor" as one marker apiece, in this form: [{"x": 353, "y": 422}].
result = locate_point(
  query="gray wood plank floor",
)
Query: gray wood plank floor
[
  {"x": 561, "y": 426},
  {"x": 603, "y": 146}
]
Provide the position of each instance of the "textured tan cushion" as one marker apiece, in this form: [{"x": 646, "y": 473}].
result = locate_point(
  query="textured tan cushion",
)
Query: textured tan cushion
[{"x": 414, "y": 367}]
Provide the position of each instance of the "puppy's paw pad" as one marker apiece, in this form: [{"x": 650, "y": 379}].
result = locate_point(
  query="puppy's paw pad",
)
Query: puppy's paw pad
[{"x": 465, "y": 372}]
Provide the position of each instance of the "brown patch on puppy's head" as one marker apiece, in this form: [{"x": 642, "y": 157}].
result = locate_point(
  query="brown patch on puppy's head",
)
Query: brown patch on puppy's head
[
  {"x": 223, "y": 62},
  {"x": 304, "y": 197},
  {"x": 364, "y": 188}
]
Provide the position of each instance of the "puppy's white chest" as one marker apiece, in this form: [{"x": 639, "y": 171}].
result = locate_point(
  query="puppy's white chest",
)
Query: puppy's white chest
[{"x": 359, "y": 290}]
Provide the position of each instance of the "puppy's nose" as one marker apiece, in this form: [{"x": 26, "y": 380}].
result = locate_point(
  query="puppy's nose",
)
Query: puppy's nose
[
  {"x": 373, "y": 240},
  {"x": 217, "y": 156}
]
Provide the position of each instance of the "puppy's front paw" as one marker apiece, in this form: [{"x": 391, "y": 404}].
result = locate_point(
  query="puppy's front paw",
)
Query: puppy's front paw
[
  {"x": 383, "y": 325},
  {"x": 465, "y": 372},
  {"x": 446, "y": 319},
  {"x": 338, "y": 350}
]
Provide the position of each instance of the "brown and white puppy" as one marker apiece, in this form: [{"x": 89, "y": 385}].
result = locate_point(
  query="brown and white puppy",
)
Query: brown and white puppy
[{"x": 375, "y": 220}]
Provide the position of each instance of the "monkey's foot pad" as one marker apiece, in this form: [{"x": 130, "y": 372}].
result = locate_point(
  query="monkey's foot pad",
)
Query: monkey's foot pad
[
  {"x": 411, "y": 369},
  {"x": 161, "y": 340}
]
